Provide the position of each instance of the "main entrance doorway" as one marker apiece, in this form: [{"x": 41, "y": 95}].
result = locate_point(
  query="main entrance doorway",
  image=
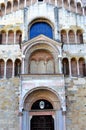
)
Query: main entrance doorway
[{"x": 42, "y": 122}]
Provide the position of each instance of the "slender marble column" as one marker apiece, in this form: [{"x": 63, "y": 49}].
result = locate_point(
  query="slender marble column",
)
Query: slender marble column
[
  {"x": 23, "y": 58},
  {"x": 70, "y": 67},
  {"x": 13, "y": 70},
  {"x": 5, "y": 69},
  {"x": 7, "y": 37},
  {"x": 78, "y": 73}
]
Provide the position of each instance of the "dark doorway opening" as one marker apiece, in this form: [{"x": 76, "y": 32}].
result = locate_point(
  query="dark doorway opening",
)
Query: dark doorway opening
[{"x": 42, "y": 122}]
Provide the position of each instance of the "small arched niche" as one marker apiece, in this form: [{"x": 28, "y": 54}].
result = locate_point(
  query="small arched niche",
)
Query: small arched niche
[{"x": 41, "y": 62}]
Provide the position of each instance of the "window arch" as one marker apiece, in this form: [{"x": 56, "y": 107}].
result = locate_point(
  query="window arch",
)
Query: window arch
[
  {"x": 17, "y": 67},
  {"x": 74, "y": 67},
  {"x": 66, "y": 5},
  {"x": 72, "y": 6},
  {"x": 85, "y": 10},
  {"x": 15, "y": 5},
  {"x": 81, "y": 66},
  {"x": 8, "y": 7},
  {"x": 79, "y": 8},
  {"x": 71, "y": 36},
  {"x": 63, "y": 36},
  {"x": 1, "y": 68},
  {"x": 28, "y": 2},
  {"x": 41, "y": 28},
  {"x": 3, "y": 8},
  {"x": 3, "y": 37},
  {"x": 0, "y": 12},
  {"x": 18, "y": 36},
  {"x": 59, "y": 2},
  {"x": 21, "y": 3},
  {"x": 79, "y": 36},
  {"x": 9, "y": 68},
  {"x": 65, "y": 63},
  {"x": 10, "y": 37}
]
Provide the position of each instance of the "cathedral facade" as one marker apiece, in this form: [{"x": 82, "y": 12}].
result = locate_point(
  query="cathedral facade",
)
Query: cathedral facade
[{"x": 42, "y": 65}]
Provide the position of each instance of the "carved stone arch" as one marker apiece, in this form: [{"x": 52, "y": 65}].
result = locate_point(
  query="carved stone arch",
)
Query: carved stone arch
[
  {"x": 40, "y": 93},
  {"x": 41, "y": 46}
]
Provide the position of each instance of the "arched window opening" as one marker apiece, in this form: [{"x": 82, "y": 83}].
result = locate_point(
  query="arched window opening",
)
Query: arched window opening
[
  {"x": 18, "y": 36},
  {"x": 41, "y": 104},
  {"x": 66, "y": 5},
  {"x": 71, "y": 37},
  {"x": 9, "y": 67},
  {"x": 82, "y": 70},
  {"x": 52, "y": 2},
  {"x": 8, "y": 7},
  {"x": 85, "y": 10},
  {"x": 1, "y": 68},
  {"x": 0, "y": 13},
  {"x": 28, "y": 2},
  {"x": 79, "y": 36},
  {"x": 65, "y": 66},
  {"x": 0, "y": 38},
  {"x": 17, "y": 67},
  {"x": 21, "y": 4},
  {"x": 3, "y": 37},
  {"x": 72, "y": 6},
  {"x": 63, "y": 36},
  {"x": 59, "y": 3},
  {"x": 79, "y": 9},
  {"x": 15, "y": 5},
  {"x": 74, "y": 67},
  {"x": 10, "y": 37},
  {"x": 41, "y": 28},
  {"x": 3, "y": 8},
  {"x": 41, "y": 62}
]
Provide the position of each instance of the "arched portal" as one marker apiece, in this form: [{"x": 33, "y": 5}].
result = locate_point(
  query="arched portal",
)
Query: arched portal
[
  {"x": 42, "y": 122},
  {"x": 42, "y": 110}
]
